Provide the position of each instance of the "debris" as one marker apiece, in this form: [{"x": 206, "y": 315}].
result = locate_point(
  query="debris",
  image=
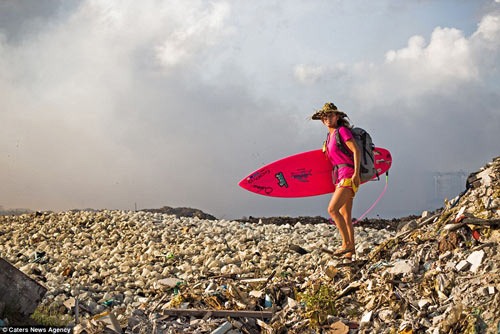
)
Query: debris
[
  {"x": 338, "y": 328},
  {"x": 222, "y": 328},
  {"x": 18, "y": 292},
  {"x": 210, "y": 288},
  {"x": 265, "y": 326},
  {"x": 385, "y": 315},
  {"x": 462, "y": 265},
  {"x": 268, "y": 302},
  {"x": 350, "y": 288},
  {"x": 449, "y": 242},
  {"x": 254, "y": 280},
  {"x": 453, "y": 317},
  {"x": 170, "y": 282},
  {"x": 408, "y": 226},
  {"x": 422, "y": 303},
  {"x": 331, "y": 271},
  {"x": 70, "y": 303},
  {"x": 67, "y": 272},
  {"x": 298, "y": 249},
  {"x": 475, "y": 260},
  {"x": 292, "y": 302},
  {"x": 366, "y": 317},
  {"x": 109, "y": 319},
  {"x": 39, "y": 257},
  {"x": 217, "y": 313},
  {"x": 402, "y": 267},
  {"x": 256, "y": 294}
]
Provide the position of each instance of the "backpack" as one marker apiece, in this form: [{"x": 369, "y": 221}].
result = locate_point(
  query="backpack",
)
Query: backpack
[{"x": 364, "y": 141}]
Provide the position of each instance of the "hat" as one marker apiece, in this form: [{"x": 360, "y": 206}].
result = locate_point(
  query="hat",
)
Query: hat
[{"x": 329, "y": 107}]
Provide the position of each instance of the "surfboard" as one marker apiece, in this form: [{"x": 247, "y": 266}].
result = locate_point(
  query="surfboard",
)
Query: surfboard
[{"x": 302, "y": 175}]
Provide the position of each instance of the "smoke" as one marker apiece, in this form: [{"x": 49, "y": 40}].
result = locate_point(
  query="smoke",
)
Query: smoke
[{"x": 107, "y": 108}]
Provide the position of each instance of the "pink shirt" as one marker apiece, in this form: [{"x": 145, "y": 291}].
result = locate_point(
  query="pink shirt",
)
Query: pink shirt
[{"x": 338, "y": 157}]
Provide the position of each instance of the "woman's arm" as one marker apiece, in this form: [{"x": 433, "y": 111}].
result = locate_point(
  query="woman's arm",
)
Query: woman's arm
[{"x": 351, "y": 144}]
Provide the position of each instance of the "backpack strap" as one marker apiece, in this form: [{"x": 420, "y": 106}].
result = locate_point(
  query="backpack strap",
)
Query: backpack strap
[
  {"x": 343, "y": 165},
  {"x": 335, "y": 171},
  {"x": 340, "y": 143},
  {"x": 325, "y": 146}
]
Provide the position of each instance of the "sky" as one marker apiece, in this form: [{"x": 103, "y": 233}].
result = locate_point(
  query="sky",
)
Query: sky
[{"x": 125, "y": 104}]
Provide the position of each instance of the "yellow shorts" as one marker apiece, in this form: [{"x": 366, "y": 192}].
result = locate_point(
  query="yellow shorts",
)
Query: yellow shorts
[{"x": 347, "y": 183}]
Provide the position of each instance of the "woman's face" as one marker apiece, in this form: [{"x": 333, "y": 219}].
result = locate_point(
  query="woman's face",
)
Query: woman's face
[{"x": 330, "y": 120}]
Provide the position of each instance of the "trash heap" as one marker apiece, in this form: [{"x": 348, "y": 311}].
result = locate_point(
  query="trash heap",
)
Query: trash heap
[
  {"x": 154, "y": 273},
  {"x": 127, "y": 270}
]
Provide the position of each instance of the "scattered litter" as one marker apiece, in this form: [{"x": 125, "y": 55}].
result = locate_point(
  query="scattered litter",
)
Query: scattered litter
[
  {"x": 338, "y": 328},
  {"x": 402, "y": 267},
  {"x": 109, "y": 319},
  {"x": 223, "y": 328},
  {"x": 170, "y": 282},
  {"x": 268, "y": 302},
  {"x": 475, "y": 260},
  {"x": 366, "y": 317},
  {"x": 462, "y": 265},
  {"x": 298, "y": 249}
]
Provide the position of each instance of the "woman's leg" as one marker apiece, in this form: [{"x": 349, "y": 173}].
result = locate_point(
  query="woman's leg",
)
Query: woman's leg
[
  {"x": 346, "y": 212},
  {"x": 340, "y": 197}
]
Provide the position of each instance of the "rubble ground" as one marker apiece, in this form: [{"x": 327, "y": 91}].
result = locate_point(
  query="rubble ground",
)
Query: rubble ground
[
  {"x": 374, "y": 223},
  {"x": 147, "y": 272}
]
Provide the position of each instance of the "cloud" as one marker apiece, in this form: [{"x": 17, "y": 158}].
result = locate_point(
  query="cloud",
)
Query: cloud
[
  {"x": 309, "y": 74},
  {"x": 312, "y": 73},
  {"x": 446, "y": 58},
  {"x": 207, "y": 27},
  {"x": 489, "y": 29},
  {"x": 441, "y": 66}
]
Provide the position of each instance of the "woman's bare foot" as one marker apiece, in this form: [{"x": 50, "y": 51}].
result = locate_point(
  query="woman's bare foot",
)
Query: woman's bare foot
[{"x": 343, "y": 251}]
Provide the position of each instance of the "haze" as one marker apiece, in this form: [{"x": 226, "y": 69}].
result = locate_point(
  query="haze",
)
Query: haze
[{"x": 117, "y": 104}]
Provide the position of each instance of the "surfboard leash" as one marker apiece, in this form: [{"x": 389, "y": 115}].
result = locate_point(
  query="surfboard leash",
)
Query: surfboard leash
[
  {"x": 378, "y": 199},
  {"x": 374, "y": 203}
]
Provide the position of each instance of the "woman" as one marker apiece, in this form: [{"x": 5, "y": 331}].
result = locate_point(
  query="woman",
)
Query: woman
[{"x": 345, "y": 174}]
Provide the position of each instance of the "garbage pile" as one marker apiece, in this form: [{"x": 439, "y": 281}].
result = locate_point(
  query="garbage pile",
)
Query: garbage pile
[
  {"x": 128, "y": 269},
  {"x": 141, "y": 272}
]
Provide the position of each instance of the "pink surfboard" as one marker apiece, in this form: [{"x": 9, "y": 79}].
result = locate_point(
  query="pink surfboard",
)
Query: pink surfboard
[{"x": 301, "y": 175}]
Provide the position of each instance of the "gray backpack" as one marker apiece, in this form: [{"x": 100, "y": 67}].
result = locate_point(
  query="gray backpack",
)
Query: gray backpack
[{"x": 364, "y": 141}]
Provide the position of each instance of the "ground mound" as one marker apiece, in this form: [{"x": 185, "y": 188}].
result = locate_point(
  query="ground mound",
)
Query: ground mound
[{"x": 182, "y": 212}]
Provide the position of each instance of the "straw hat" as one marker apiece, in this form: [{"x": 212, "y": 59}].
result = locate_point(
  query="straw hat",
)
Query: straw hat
[{"x": 328, "y": 108}]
